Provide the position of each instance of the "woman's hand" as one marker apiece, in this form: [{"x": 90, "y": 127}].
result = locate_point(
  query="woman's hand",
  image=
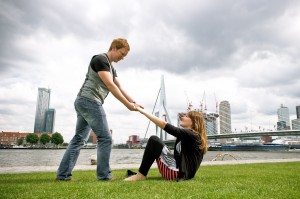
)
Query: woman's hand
[
  {"x": 137, "y": 105},
  {"x": 140, "y": 109}
]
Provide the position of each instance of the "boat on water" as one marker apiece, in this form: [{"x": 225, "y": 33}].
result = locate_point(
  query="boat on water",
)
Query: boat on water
[
  {"x": 248, "y": 147},
  {"x": 293, "y": 143},
  {"x": 257, "y": 145}
]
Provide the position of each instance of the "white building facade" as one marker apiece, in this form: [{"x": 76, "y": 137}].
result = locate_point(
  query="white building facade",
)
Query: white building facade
[
  {"x": 225, "y": 117},
  {"x": 283, "y": 118}
]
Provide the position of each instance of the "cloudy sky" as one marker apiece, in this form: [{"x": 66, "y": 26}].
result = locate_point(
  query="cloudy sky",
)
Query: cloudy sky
[{"x": 245, "y": 52}]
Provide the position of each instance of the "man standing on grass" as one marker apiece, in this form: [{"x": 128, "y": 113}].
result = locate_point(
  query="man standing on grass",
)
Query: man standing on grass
[{"x": 101, "y": 79}]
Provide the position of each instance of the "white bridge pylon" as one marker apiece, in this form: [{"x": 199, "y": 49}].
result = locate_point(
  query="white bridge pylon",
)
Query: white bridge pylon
[{"x": 162, "y": 111}]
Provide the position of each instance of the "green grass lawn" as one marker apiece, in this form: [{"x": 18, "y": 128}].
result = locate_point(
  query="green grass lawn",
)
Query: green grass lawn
[{"x": 267, "y": 180}]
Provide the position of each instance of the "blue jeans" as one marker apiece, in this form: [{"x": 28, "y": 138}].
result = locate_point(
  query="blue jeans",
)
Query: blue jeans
[{"x": 90, "y": 115}]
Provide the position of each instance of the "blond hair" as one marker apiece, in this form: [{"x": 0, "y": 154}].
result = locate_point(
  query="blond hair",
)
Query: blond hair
[
  {"x": 198, "y": 126},
  {"x": 119, "y": 43}
]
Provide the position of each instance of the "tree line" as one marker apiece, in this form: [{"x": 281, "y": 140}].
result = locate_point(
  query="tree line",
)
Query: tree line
[{"x": 32, "y": 139}]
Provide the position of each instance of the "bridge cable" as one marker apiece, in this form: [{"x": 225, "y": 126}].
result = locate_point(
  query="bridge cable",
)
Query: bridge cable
[{"x": 152, "y": 113}]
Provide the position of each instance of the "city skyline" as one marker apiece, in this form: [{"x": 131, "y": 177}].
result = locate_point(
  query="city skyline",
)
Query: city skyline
[
  {"x": 245, "y": 52},
  {"x": 212, "y": 125}
]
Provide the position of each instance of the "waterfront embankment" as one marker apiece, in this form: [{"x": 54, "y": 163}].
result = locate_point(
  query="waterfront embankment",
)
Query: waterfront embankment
[{"x": 27, "y": 161}]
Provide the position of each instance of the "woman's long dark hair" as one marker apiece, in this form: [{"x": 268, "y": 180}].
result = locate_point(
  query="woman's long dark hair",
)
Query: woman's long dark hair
[{"x": 198, "y": 127}]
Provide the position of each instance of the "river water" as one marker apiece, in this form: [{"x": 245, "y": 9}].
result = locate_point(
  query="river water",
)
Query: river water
[{"x": 37, "y": 157}]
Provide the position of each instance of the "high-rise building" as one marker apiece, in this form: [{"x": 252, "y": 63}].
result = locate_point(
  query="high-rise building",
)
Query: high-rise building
[
  {"x": 50, "y": 120},
  {"x": 283, "y": 118},
  {"x": 298, "y": 112},
  {"x": 211, "y": 123},
  {"x": 225, "y": 117},
  {"x": 296, "y": 122},
  {"x": 42, "y": 106}
]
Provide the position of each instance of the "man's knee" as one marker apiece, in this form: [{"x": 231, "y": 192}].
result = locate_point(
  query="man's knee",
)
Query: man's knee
[{"x": 106, "y": 139}]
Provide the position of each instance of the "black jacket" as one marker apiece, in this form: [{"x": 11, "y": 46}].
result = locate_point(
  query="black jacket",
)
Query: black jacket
[{"x": 189, "y": 159}]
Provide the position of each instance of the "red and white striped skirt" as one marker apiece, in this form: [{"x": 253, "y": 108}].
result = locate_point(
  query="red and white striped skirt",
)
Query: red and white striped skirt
[{"x": 167, "y": 165}]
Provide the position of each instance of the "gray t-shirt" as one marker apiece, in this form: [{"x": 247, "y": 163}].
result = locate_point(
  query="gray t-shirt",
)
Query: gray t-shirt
[{"x": 93, "y": 87}]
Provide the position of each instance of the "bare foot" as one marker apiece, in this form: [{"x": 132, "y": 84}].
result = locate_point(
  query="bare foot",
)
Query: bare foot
[{"x": 136, "y": 177}]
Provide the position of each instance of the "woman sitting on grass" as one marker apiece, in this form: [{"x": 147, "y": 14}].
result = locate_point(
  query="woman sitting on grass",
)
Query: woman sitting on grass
[{"x": 190, "y": 146}]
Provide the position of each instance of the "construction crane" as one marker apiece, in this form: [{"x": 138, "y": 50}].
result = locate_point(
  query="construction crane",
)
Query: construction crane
[
  {"x": 217, "y": 105},
  {"x": 203, "y": 103},
  {"x": 188, "y": 102}
]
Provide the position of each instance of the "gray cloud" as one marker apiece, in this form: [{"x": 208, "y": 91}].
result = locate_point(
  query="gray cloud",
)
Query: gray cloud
[
  {"x": 210, "y": 36},
  {"x": 193, "y": 38}
]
